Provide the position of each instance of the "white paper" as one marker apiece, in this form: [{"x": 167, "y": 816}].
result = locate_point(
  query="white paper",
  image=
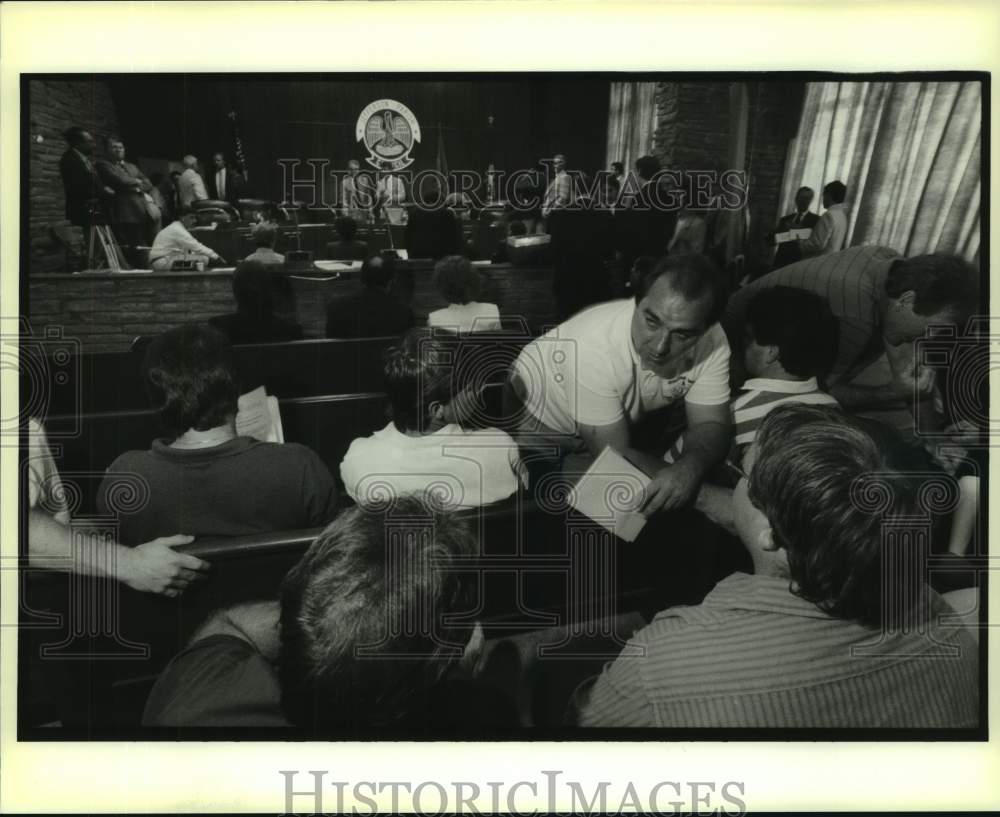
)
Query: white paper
[
  {"x": 258, "y": 416},
  {"x": 607, "y": 491},
  {"x": 801, "y": 234},
  {"x": 783, "y": 238}
]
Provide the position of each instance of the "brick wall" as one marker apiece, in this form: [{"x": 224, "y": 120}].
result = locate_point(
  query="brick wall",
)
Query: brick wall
[
  {"x": 54, "y": 106},
  {"x": 105, "y": 312}
]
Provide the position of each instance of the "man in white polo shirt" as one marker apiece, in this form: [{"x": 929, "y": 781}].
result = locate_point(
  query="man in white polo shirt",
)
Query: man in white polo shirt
[{"x": 585, "y": 384}]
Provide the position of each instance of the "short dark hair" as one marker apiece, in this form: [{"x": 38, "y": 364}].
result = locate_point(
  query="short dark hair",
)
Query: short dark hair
[
  {"x": 350, "y": 654},
  {"x": 265, "y": 234},
  {"x": 191, "y": 378},
  {"x": 809, "y": 480},
  {"x": 800, "y": 324},
  {"x": 346, "y": 227},
  {"x": 837, "y": 191},
  {"x": 939, "y": 283},
  {"x": 74, "y": 135},
  {"x": 419, "y": 371},
  {"x": 690, "y": 275},
  {"x": 456, "y": 279},
  {"x": 377, "y": 271},
  {"x": 253, "y": 288},
  {"x": 517, "y": 228},
  {"x": 647, "y": 166},
  {"x": 110, "y": 140},
  {"x": 618, "y": 167},
  {"x": 804, "y": 188}
]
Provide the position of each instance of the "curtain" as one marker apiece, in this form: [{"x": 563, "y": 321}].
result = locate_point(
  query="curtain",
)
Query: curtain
[
  {"x": 631, "y": 121},
  {"x": 909, "y": 153}
]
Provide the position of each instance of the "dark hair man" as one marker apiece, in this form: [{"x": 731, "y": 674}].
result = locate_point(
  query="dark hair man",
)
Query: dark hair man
[
  {"x": 254, "y": 320},
  {"x": 585, "y": 384},
  {"x": 788, "y": 252},
  {"x": 830, "y": 233},
  {"x": 806, "y": 640},
  {"x": 204, "y": 478},
  {"x": 340, "y": 651},
  {"x": 346, "y": 248},
  {"x": 81, "y": 183},
  {"x": 458, "y": 282},
  {"x": 883, "y": 304},
  {"x": 372, "y": 311},
  {"x": 224, "y": 183},
  {"x": 134, "y": 214}
]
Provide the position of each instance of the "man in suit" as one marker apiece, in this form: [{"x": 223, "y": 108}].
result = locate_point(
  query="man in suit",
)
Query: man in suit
[
  {"x": 134, "y": 214},
  {"x": 371, "y": 312},
  {"x": 346, "y": 248},
  {"x": 190, "y": 187},
  {"x": 830, "y": 233},
  {"x": 802, "y": 219},
  {"x": 224, "y": 184},
  {"x": 81, "y": 182}
]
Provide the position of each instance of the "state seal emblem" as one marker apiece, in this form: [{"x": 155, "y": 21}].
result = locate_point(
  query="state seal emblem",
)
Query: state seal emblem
[{"x": 389, "y": 131}]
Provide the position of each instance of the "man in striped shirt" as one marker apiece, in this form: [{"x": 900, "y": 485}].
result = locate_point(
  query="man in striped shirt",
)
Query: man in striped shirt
[
  {"x": 827, "y": 632},
  {"x": 883, "y": 303}
]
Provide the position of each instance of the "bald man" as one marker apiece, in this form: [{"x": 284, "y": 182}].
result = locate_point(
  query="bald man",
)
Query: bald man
[{"x": 190, "y": 186}]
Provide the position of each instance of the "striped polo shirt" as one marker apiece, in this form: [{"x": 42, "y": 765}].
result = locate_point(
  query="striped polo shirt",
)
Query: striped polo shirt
[
  {"x": 755, "y": 655},
  {"x": 761, "y": 395},
  {"x": 851, "y": 281}
]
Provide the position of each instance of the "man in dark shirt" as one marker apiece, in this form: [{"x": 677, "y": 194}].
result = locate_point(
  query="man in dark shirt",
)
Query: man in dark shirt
[
  {"x": 432, "y": 229},
  {"x": 789, "y": 252},
  {"x": 254, "y": 320},
  {"x": 371, "y": 312},
  {"x": 346, "y": 248},
  {"x": 81, "y": 182}
]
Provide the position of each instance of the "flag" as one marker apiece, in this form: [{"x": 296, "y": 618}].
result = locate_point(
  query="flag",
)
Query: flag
[
  {"x": 238, "y": 146},
  {"x": 442, "y": 161}
]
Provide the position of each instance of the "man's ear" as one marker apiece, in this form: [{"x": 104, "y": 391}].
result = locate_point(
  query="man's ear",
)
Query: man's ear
[
  {"x": 436, "y": 410},
  {"x": 771, "y": 354},
  {"x": 906, "y": 300},
  {"x": 765, "y": 540}
]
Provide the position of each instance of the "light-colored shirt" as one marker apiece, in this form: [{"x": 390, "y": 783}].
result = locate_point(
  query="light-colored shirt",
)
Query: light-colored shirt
[
  {"x": 45, "y": 488},
  {"x": 220, "y": 183},
  {"x": 761, "y": 395},
  {"x": 559, "y": 193},
  {"x": 265, "y": 255},
  {"x": 175, "y": 238},
  {"x": 752, "y": 654},
  {"x": 190, "y": 188},
  {"x": 453, "y": 467},
  {"x": 470, "y": 317},
  {"x": 587, "y": 370},
  {"x": 851, "y": 281},
  {"x": 392, "y": 189},
  {"x": 829, "y": 234}
]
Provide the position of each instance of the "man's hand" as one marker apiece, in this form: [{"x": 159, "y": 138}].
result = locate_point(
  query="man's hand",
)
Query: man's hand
[
  {"x": 913, "y": 382},
  {"x": 155, "y": 567},
  {"x": 672, "y": 487}
]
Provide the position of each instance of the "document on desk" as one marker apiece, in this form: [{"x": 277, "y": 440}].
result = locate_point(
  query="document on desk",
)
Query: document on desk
[{"x": 606, "y": 492}]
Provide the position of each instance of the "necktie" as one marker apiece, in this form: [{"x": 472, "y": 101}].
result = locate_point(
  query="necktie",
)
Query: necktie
[{"x": 220, "y": 183}]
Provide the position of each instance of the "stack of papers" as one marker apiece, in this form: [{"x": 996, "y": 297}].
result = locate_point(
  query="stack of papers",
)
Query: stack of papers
[
  {"x": 608, "y": 490},
  {"x": 800, "y": 234},
  {"x": 258, "y": 416}
]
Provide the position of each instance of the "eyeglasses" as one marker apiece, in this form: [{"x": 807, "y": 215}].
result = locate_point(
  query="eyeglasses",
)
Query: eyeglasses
[{"x": 739, "y": 471}]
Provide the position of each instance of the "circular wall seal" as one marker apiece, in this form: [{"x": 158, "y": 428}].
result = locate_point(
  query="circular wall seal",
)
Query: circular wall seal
[{"x": 389, "y": 131}]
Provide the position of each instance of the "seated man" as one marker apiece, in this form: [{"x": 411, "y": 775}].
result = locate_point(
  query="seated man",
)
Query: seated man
[
  {"x": 346, "y": 248},
  {"x": 805, "y": 642},
  {"x": 585, "y": 384},
  {"x": 432, "y": 229},
  {"x": 458, "y": 281},
  {"x": 337, "y": 653},
  {"x": 175, "y": 243},
  {"x": 265, "y": 233},
  {"x": 204, "y": 479},
  {"x": 254, "y": 320},
  {"x": 372, "y": 311},
  {"x": 883, "y": 303},
  {"x": 424, "y": 449}
]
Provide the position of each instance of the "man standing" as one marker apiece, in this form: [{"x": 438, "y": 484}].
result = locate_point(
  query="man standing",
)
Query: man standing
[
  {"x": 223, "y": 183},
  {"x": 559, "y": 194},
  {"x": 830, "y": 630},
  {"x": 355, "y": 195},
  {"x": 134, "y": 213},
  {"x": 789, "y": 252},
  {"x": 81, "y": 182},
  {"x": 391, "y": 190},
  {"x": 585, "y": 385},
  {"x": 190, "y": 187},
  {"x": 830, "y": 232}
]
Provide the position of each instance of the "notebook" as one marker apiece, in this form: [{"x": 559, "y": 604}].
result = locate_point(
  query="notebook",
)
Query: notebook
[
  {"x": 606, "y": 492},
  {"x": 258, "y": 416}
]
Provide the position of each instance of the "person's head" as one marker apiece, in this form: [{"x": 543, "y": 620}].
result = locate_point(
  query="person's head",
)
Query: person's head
[
  {"x": 617, "y": 168},
  {"x": 265, "y": 233},
  {"x": 252, "y": 288},
  {"x": 559, "y": 162},
  {"x": 420, "y": 382},
  {"x": 808, "y": 511},
  {"x": 346, "y": 228},
  {"x": 190, "y": 162},
  {"x": 174, "y": 176},
  {"x": 218, "y": 161},
  {"x": 676, "y": 303},
  {"x": 191, "y": 379},
  {"x": 456, "y": 279},
  {"x": 116, "y": 149},
  {"x": 365, "y": 631},
  {"x": 647, "y": 167},
  {"x": 834, "y": 193},
  {"x": 377, "y": 272},
  {"x": 353, "y": 167},
  {"x": 791, "y": 335},
  {"x": 80, "y": 139},
  {"x": 803, "y": 199},
  {"x": 516, "y": 228},
  {"x": 925, "y": 290},
  {"x": 189, "y": 218}
]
